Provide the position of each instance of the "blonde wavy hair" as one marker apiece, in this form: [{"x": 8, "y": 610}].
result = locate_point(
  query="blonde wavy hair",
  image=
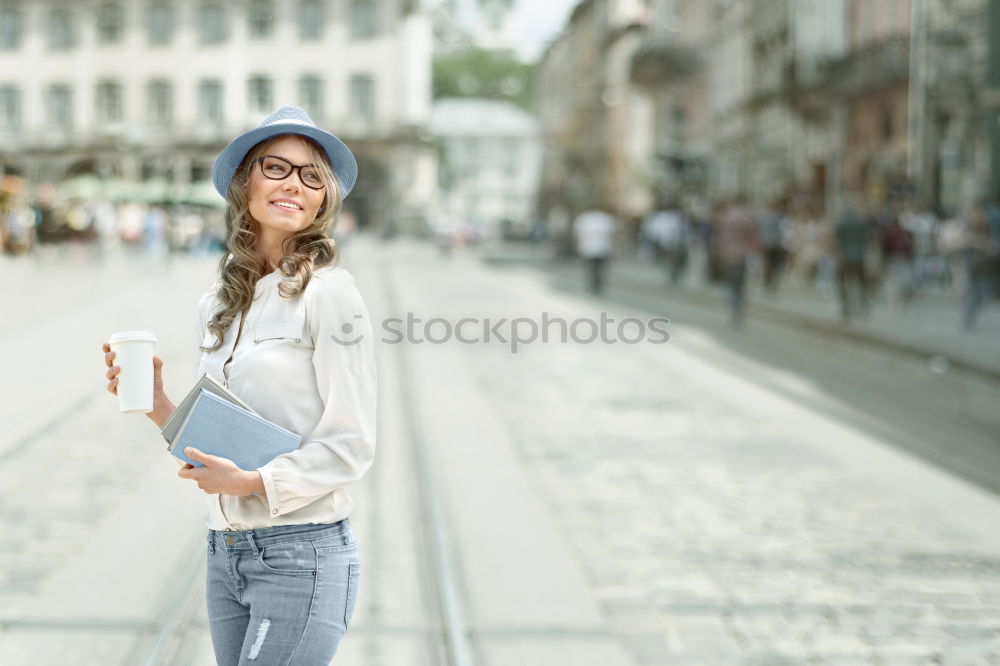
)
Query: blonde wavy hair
[{"x": 303, "y": 252}]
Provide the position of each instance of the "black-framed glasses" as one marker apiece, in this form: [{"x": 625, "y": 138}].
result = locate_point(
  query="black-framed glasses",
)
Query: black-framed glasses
[{"x": 278, "y": 168}]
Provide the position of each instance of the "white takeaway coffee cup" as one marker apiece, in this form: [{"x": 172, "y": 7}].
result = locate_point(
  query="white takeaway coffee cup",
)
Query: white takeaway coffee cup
[{"x": 134, "y": 355}]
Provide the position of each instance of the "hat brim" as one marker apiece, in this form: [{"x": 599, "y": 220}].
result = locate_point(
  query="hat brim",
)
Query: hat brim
[{"x": 342, "y": 161}]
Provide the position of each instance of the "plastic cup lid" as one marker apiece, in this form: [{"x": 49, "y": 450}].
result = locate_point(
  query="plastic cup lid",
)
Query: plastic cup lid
[{"x": 132, "y": 336}]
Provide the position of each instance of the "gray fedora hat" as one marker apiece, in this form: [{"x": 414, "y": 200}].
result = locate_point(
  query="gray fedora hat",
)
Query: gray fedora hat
[{"x": 286, "y": 120}]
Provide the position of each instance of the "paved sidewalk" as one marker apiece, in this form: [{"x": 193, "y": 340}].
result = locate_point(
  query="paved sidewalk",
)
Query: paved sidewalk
[
  {"x": 928, "y": 327},
  {"x": 719, "y": 521}
]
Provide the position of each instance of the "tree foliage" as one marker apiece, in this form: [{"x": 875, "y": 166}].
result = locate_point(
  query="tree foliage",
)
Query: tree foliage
[{"x": 486, "y": 74}]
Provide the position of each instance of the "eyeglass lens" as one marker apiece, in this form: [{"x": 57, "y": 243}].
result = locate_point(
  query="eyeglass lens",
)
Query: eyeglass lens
[{"x": 277, "y": 168}]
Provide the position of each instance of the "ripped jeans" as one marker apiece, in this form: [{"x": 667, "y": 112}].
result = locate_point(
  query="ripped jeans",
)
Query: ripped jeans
[{"x": 281, "y": 595}]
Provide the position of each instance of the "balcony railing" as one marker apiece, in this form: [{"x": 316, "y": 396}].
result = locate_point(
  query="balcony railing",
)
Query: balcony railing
[
  {"x": 661, "y": 61},
  {"x": 871, "y": 67}
]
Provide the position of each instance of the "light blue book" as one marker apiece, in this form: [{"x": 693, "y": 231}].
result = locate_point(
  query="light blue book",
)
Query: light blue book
[
  {"x": 209, "y": 383},
  {"x": 218, "y": 427}
]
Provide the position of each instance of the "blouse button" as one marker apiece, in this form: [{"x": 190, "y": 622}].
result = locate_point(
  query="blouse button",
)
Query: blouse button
[{"x": 274, "y": 511}]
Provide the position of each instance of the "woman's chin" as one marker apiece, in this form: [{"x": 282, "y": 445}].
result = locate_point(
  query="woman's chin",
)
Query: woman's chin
[{"x": 287, "y": 224}]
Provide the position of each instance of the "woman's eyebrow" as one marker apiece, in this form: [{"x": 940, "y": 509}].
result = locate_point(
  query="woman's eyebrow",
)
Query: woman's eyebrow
[{"x": 312, "y": 164}]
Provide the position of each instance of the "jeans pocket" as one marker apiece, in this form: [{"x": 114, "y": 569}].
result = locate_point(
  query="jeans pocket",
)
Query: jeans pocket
[
  {"x": 295, "y": 558},
  {"x": 353, "y": 578}
]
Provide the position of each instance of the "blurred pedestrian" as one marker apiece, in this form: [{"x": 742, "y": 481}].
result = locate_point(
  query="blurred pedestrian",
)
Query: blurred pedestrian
[
  {"x": 950, "y": 244},
  {"x": 736, "y": 239},
  {"x": 897, "y": 263},
  {"x": 594, "y": 231},
  {"x": 649, "y": 238},
  {"x": 774, "y": 232},
  {"x": 19, "y": 229},
  {"x": 670, "y": 232},
  {"x": 154, "y": 233},
  {"x": 130, "y": 225},
  {"x": 980, "y": 256},
  {"x": 928, "y": 265},
  {"x": 283, "y": 565},
  {"x": 105, "y": 224},
  {"x": 851, "y": 234}
]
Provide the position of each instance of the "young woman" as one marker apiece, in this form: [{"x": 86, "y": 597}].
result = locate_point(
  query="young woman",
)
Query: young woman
[{"x": 289, "y": 333}]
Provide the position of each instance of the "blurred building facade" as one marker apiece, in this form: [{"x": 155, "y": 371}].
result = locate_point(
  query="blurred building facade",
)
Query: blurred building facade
[
  {"x": 798, "y": 100},
  {"x": 571, "y": 81},
  {"x": 463, "y": 24},
  {"x": 489, "y": 164},
  {"x": 152, "y": 90}
]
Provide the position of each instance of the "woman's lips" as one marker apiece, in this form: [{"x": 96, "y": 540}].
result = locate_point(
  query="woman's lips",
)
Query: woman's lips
[{"x": 287, "y": 209}]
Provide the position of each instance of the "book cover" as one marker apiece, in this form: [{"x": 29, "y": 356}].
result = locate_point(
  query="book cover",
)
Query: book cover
[
  {"x": 220, "y": 428},
  {"x": 209, "y": 383}
]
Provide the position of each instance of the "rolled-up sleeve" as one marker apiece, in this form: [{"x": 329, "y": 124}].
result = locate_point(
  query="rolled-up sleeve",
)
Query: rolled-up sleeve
[{"x": 342, "y": 446}]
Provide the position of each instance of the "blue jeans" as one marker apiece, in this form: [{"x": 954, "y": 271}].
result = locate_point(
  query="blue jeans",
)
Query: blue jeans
[{"x": 281, "y": 595}]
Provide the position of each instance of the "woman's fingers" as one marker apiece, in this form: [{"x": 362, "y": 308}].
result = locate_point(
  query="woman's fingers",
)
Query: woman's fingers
[{"x": 112, "y": 373}]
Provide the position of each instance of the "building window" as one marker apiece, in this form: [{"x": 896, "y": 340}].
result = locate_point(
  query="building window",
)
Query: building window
[
  {"x": 363, "y": 18},
  {"x": 471, "y": 157},
  {"x": 110, "y": 23},
  {"x": 887, "y": 122},
  {"x": 260, "y": 91},
  {"x": 60, "y": 107},
  {"x": 61, "y": 34},
  {"x": 362, "y": 97},
  {"x": 11, "y": 27},
  {"x": 470, "y": 151},
  {"x": 261, "y": 18},
  {"x": 210, "y": 102},
  {"x": 109, "y": 102},
  {"x": 866, "y": 29},
  {"x": 160, "y": 103},
  {"x": 212, "y": 23},
  {"x": 160, "y": 23},
  {"x": 511, "y": 157},
  {"x": 312, "y": 19},
  {"x": 311, "y": 96},
  {"x": 10, "y": 108},
  {"x": 200, "y": 171}
]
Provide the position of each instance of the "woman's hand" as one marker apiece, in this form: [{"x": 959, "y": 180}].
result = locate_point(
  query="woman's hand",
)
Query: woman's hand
[
  {"x": 220, "y": 475},
  {"x": 162, "y": 407}
]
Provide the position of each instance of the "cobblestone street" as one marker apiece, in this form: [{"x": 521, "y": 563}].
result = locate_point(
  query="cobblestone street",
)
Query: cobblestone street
[
  {"x": 634, "y": 504},
  {"x": 720, "y": 523}
]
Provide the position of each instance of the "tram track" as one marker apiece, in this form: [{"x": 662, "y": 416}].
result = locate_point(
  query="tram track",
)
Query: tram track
[
  {"x": 449, "y": 640},
  {"x": 164, "y": 644}
]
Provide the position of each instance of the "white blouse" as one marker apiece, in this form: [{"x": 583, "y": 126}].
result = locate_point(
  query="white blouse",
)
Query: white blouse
[{"x": 308, "y": 364}]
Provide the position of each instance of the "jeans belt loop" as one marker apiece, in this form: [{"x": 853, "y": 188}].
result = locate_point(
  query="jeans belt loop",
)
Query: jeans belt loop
[
  {"x": 211, "y": 542},
  {"x": 250, "y": 541}
]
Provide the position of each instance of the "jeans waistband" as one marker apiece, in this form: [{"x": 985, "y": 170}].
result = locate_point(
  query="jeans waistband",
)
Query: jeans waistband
[{"x": 263, "y": 536}]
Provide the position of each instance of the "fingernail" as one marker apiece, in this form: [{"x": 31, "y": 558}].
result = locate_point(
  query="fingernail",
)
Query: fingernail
[{"x": 189, "y": 450}]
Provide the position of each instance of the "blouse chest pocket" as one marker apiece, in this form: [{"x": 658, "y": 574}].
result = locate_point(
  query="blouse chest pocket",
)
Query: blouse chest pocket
[{"x": 292, "y": 330}]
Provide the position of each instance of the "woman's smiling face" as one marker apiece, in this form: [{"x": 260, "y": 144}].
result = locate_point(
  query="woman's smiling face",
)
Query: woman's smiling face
[{"x": 284, "y": 206}]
